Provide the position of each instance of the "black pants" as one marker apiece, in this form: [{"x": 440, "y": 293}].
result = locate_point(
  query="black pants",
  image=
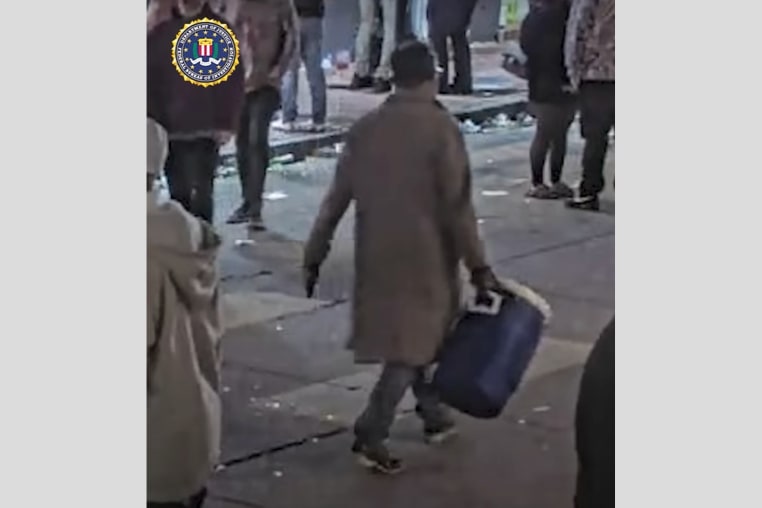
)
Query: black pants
[
  {"x": 463, "y": 82},
  {"x": 553, "y": 121},
  {"x": 594, "y": 426},
  {"x": 196, "y": 501},
  {"x": 253, "y": 146},
  {"x": 190, "y": 174},
  {"x": 597, "y": 118}
]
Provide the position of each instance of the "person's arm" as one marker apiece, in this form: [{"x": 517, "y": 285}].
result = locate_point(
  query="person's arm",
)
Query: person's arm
[
  {"x": 290, "y": 27},
  {"x": 332, "y": 209},
  {"x": 455, "y": 185}
]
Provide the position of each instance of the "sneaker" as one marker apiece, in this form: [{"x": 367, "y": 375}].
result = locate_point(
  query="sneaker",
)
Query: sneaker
[
  {"x": 240, "y": 216},
  {"x": 587, "y": 203},
  {"x": 256, "y": 224},
  {"x": 382, "y": 86},
  {"x": 440, "y": 435},
  {"x": 376, "y": 458},
  {"x": 360, "y": 82},
  {"x": 284, "y": 126},
  {"x": 561, "y": 191},
  {"x": 540, "y": 191}
]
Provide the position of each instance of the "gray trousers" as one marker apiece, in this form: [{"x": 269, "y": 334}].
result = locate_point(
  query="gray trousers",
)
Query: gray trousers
[
  {"x": 365, "y": 32},
  {"x": 372, "y": 427}
]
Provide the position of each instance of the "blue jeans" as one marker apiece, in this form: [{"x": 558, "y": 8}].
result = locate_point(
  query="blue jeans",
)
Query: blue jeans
[{"x": 311, "y": 52}]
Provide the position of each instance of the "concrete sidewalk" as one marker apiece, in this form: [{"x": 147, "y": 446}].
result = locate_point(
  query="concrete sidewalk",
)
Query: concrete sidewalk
[{"x": 291, "y": 390}]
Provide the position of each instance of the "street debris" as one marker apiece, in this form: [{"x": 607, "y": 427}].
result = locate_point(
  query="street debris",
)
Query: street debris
[
  {"x": 314, "y": 440},
  {"x": 480, "y": 221},
  {"x": 272, "y": 405},
  {"x": 278, "y": 474},
  {"x": 278, "y": 327},
  {"x": 275, "y": 196},
  {"x": 225, "y": 389},
  {"x": 469, "y": 127},
  {"x": 329, "y": 418},
  {"x": 244, "y": 242},
  {"x": 522, "y": 422},
  {"x": 494, "y": 193},
  {"x": 541, "y": 409},
  {"x": 219, "y": 467}
]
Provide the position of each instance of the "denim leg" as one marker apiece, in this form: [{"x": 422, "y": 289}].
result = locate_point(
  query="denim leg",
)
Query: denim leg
[
  {"x": 312, "y": 54},
  {"x": 364, "y": 34},
  {"x": 389, "y": 9},
  {"x": 429, "y": 407},
  {"x": 290, "y": 87},
  {"x": 372, "y": 427}
]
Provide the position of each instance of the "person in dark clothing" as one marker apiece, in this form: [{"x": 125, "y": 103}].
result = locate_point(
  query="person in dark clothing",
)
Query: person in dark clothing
[
  {"x": 552, "y": 101},
  {"x": 594, "y": 426},
  {"x": 197, "y": 119},
  {"x": 590, "y": 62},
  {"x": 450, "y": 19}
]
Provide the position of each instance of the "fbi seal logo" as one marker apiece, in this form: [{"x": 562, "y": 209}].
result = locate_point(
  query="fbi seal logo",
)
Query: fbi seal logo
[{"x": 205, "y": 52}]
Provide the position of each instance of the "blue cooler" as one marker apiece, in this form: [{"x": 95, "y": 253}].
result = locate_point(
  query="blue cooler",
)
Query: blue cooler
[{"x": 484, "y": 359}]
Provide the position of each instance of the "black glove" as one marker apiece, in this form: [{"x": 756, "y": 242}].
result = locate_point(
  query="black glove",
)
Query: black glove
[
  {"x": 484, "y": 281},
  {"x": 311, "y": 275}
]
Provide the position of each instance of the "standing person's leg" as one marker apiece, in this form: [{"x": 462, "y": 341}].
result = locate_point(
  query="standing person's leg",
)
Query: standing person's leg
[
  {"x": 597, "y": 117},
  {"x": 204, "y": 166},
  {"x": 263, "y": 105},
  {"x": 437, "y": 424},
  {"x": 538, "y": 151},
  {"x": 243, "y": 157},
  {"x": 563, "y": 118},
  {"x": 362, "y": 77},
  {"x": 372, "y": 427},
  {"x": 439, "y": 43},
  {"x": 312, "y": 53},
  {"x": 179, "y": 180},
  {"x": 463, "y": 83},
  {"x": 384, "y": 71},
  {"x": 290, "y": 86}
]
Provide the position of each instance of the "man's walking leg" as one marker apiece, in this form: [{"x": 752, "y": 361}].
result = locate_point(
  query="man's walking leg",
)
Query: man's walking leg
[
  {"x": 372, "y": 427},
  {"x": 312, "y": 48},
  {"x": 176, "y": 169},
  {"x": 263, "y": 105},
  {"x": 439, "y": 43},
  {"x": 204, "y": 166},
  {"x": 243, "y": 158},
  {"x": 437, "y": 424}
]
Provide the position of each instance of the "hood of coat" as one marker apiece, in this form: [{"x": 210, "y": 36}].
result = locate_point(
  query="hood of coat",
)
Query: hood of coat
[{"x": 186, "y": 248}]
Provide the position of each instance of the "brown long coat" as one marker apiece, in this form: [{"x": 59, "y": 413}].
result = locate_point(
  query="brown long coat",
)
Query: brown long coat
[{"x": 406, "y": 168}]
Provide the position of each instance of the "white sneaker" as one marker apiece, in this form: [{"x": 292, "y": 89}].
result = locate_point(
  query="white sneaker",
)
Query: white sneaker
[
  {"x": 284, "y": 126},
  {"x": 317, "y": 127}
]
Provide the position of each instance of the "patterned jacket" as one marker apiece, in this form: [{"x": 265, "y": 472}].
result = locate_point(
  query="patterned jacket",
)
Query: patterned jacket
[
  {"x": 589, "y": 48},
  {"x": 268, "y": 34}
]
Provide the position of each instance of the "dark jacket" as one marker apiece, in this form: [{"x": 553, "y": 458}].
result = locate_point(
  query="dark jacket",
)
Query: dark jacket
[
  {"x": 595, "y": 426},
  {"x": 542, "y": 41},
  {"x": 186, "y": 110},
  {"x": 450, "y": 16},
  {"x": 309, "y": 8}
]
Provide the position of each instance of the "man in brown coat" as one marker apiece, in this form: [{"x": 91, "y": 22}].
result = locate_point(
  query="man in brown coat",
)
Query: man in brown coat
[{"x": 406, "y": 168}]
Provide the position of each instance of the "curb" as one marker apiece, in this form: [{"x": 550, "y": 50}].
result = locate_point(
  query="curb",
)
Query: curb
[{"x": 302, "y": 147}]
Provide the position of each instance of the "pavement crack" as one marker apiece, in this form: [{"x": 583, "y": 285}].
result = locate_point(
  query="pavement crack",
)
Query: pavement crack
[
  {"x": 555, "y": 247},
  {"x": 286, "y": 446}
]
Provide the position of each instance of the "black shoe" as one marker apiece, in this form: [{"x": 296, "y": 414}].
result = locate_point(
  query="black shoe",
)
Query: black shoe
[
  {"x": 382, "y": 86},
  {"x": 376, "y": 458},
  {"x": 359, "y": 82},
  {"x": 441, "y": 434},
  {"x": 240, "y": 216},
  {"x": 587, "y": 203},
  {"x": 560, "y": 190}
]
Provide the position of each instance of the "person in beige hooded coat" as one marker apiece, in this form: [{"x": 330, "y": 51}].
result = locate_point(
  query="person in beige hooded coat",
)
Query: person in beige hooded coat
[
  {"x": 184, "y": 413},
  {"x": 406, "y": 168}
]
